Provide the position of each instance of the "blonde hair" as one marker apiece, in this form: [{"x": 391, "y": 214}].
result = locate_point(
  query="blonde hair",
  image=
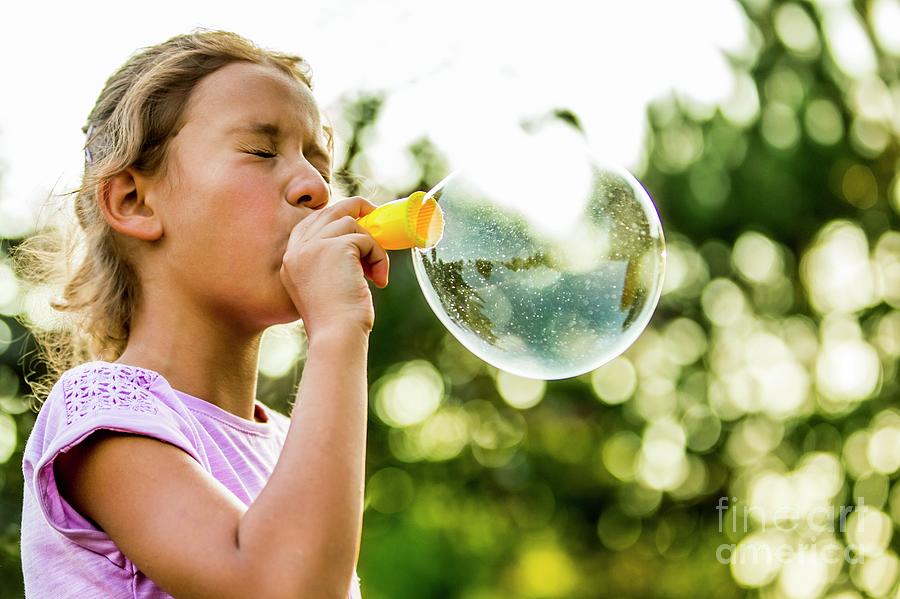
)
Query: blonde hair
[{"x": 138, "y": 111}]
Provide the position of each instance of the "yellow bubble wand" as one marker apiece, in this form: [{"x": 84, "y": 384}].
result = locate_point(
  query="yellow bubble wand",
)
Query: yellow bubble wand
[{"x": 416, "y": 221}]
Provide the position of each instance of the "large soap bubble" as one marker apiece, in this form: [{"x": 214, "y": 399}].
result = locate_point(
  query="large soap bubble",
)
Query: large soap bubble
[{"x": 551, "y": 262}]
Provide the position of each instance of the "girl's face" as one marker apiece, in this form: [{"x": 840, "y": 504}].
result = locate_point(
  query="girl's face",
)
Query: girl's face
[{"x": 250, "y": 161}]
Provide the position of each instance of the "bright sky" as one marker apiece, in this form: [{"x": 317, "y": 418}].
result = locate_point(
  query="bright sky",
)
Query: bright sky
[{"x": 459, "y": 73}]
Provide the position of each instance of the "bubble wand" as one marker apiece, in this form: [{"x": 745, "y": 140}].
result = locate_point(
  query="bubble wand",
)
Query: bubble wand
[{"x": 412, "y": 222}]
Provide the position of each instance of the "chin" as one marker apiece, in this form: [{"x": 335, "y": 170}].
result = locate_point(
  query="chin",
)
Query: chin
[
  {"x": 275, "y": 309},
  {"x": 288, "y": 314}
]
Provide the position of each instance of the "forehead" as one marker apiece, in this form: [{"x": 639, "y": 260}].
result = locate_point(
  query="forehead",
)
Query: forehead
[{"x": 240, "y": 93}]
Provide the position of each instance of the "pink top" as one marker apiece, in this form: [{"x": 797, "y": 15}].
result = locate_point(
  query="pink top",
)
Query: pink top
[{"x": 63, "y": 554}]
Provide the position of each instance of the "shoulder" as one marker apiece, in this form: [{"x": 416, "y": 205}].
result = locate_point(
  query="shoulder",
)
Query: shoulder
[
  {"x": 101, "y": 409},
  {"x": 108, "y": 386},
  {"x": 109, "y": 373},
  {"x": 106, "y": 395}
]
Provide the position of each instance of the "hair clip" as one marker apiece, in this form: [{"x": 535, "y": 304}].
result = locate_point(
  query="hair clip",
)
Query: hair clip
[{"x": 87, "y": 149}]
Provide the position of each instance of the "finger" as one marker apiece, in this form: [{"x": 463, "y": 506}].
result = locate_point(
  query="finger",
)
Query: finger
[
  {"x": 355, "y": 207},
  {"x": 376, "y": 265},
  {"x": 380, "y": 274},
  {"x": 372, "y": 255},
  {"x": 343, "y": 226}
]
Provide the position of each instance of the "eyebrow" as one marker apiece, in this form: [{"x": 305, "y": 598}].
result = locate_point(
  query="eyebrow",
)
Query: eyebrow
[{"x": 269, "y": 129}]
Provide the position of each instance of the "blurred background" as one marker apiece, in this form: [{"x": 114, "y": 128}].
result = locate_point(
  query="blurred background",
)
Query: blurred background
[{"x": 747, "y": 445}]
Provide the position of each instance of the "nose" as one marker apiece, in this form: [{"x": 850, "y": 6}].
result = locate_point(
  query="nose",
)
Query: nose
[{"x": 308, "y": 188}]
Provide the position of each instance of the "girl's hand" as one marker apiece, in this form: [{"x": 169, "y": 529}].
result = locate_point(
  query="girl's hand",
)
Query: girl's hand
[{"x": 327, "y": 260}]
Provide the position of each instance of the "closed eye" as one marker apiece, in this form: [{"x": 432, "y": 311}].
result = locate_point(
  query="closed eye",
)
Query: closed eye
[
  {"x": 262, "y": 153},
  {"x": 272, "y": 154}
]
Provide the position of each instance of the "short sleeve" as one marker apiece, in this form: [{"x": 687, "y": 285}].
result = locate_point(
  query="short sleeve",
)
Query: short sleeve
[{"x": 91, "y": 397}]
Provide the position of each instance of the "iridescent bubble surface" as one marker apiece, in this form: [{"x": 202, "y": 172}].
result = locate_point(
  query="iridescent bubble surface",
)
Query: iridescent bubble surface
[{"x": 551, "y": 263}]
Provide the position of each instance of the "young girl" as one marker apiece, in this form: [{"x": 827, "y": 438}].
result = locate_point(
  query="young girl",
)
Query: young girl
[{"x": 152, "y": 471}]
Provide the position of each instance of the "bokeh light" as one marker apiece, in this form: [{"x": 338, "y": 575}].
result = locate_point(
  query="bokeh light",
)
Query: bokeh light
[
  {"x": 884, "y": 17},
  {"x": 520, "y": 392},
  {"x": 8, "y": 439},
  {"x": 280, "y": 350},
  {"x": 869, "y": 531},
  {"x": 823, "y": 122},
  {"x": 5, "y": 336},
  {"x": 836, "y": 270},
  {"x": 408, "y": 395},
  {"x": 796, "y": 30},
  {"x": 389, "y": 490},
  {"x": 616, "y": 381}
]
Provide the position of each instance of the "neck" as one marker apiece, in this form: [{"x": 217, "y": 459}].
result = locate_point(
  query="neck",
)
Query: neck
[{"x": 198, "y": 355}]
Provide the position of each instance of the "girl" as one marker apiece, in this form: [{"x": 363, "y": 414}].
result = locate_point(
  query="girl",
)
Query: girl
[{"x": 151, "y": 470}]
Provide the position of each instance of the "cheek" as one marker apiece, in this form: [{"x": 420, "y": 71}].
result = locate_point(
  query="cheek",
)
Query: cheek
[
  {"x": 231, "y": 195},
  {"x": 229, "y": 220}
]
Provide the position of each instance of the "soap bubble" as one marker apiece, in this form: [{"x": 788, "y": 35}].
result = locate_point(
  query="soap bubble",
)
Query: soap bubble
[{"x": 551, "y": 262}]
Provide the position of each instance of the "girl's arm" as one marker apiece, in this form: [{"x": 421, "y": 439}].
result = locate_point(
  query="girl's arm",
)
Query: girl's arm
[
  {"x": 190, "y": 535},
  {"x": 305, "y": 525}
]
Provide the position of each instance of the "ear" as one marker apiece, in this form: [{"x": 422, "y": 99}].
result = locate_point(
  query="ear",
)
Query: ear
[{"x": 125, "y": 204}]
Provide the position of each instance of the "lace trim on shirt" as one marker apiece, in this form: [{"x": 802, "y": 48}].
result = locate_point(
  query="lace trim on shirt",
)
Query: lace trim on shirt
[{"x": 108, "y": 387}]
